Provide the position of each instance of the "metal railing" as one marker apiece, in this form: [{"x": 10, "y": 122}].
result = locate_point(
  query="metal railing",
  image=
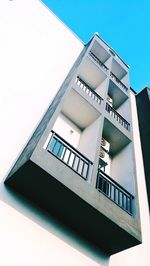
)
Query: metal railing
[
  {"x": 69, "y": 155},
  {"x": 89, "y": 91},
  {"x": 98, "y": 61},
  {"x": 118, "y": 81},
  {"x": 117, "y": 116},
  {"x": 114, "y": 192}
]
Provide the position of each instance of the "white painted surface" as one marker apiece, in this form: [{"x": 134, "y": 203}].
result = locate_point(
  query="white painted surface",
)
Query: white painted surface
[
  {"x": 79, "y": 110},
  {"x": 27, "y": 85},
  {"x": 91, "y": 73},
  {"x": 88, "y": 140},
  {"x": 124, "y": 111},
  {"x": 122, "y": 168},
  {"x": 101, "y": 89},
  {"x": 126, "y": 81},
  {"x": 119, "y": 68},
  {"x": 36, "y": 53},
  {"x": 104, "y": 154},
  {"x": 67, "y": 130},
  {"x": 107, "y": 159}
]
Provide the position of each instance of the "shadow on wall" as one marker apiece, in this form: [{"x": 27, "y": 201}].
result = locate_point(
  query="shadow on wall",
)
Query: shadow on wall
[{"x": 51, "y": 224}]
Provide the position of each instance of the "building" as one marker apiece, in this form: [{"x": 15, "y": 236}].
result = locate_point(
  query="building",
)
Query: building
[
  {"x": 79, "y": 163},
  {"x": 29, "y": 235},
  {"x": 143, "y": 108}
]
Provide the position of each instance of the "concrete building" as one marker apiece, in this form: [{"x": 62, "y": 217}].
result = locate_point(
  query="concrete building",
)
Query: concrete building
[
  {"x": 75, "y": 179},
  {"x": 143, "y": 108},
  {"x": 78, "y": 153}
]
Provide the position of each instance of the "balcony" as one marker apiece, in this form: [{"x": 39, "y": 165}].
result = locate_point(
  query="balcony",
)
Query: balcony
[
  {"x": 93, "y": 72},
  {"x": 98, "y": 61},
  {"x": 115, "y": 192},
  {"x": 69, "y": 155},
  {"x": 118, "y": 139},
  {"x": 118, "y": 81},
  {"x": 117, "y": 94},
  {"x": 88, "y": 90},
  {"x": 117, "y": 116}
]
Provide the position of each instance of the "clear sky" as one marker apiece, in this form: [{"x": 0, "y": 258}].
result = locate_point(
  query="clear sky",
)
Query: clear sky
[{"x": 124, "y": 25}]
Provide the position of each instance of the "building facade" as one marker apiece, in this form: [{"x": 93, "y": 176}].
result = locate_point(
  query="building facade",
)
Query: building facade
[
  {"x": 80, "y": 164},
  {"x": 143, "y": 108}
]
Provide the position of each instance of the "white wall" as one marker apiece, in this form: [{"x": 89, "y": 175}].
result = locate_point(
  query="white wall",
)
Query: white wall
[
  {"x": 88, "y": 140},
  {"x": 108, "y": 62},
  {"x": 67, "y": 130},
  {"x": 122, "y": 168},
  {"x": 27, "y": 85},
  {"x": 107, "y": 159},
  {"x": 36, "y": 53},
  {"x": 125, "y": 80},
  {"x": 124, "y": 111},
  {"x": 101, "y": 89}
]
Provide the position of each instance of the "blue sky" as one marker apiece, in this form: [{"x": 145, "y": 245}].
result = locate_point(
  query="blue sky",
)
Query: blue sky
[{"x": 124, "y": 25}]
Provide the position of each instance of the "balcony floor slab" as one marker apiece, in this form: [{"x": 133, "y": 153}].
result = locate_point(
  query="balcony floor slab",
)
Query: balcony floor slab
[{"x": 47, "y": 192}]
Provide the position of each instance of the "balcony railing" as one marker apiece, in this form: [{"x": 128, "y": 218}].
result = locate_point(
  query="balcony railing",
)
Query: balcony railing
[
  {"x": 117, "y": 116},
  {"x": 69, "y": 155},
  {"x": 89, "y": 91},
  {"x": 118, "y": 81},
  {"x": 98, "y": 61},
  {"x": 114, "y": 192}
]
